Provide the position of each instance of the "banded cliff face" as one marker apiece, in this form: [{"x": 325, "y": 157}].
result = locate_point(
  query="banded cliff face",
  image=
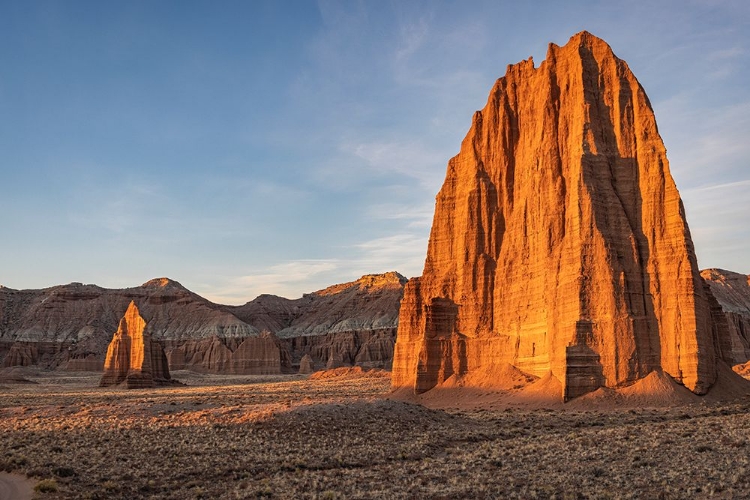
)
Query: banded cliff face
[
  {"x": 559, "y": 242},
  {"x": 732, "y": 292}
]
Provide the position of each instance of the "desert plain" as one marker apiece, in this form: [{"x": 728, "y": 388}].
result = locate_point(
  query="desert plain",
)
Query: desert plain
[{"x": 344, "y": 434}]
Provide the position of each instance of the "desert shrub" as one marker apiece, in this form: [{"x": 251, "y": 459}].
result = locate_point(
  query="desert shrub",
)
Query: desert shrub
[
  {"x": 46, "y": 486},
  {"x": 110, "y": 486},
  {"x": 64, "y": 472}
]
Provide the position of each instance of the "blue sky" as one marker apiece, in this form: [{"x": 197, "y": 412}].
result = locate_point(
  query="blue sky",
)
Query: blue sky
[{"x": 279, "y": 147}]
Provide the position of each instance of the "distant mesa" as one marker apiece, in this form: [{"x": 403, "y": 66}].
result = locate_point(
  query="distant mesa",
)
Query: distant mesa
[
  {"x": 559, "y": 244},
  {"x": 132, "y": 357}
]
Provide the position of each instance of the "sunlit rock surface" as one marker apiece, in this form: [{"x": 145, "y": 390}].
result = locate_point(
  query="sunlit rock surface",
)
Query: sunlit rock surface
[
  {"x": 559, "y": 243},
  {"x": 132, "y": 356}
]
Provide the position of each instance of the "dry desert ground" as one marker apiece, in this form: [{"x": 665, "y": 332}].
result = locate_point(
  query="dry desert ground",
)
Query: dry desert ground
[{"x": 344, "y": 437}]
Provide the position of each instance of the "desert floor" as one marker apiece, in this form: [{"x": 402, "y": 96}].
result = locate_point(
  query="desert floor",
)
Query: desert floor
[{"x": 341, "y": 437}]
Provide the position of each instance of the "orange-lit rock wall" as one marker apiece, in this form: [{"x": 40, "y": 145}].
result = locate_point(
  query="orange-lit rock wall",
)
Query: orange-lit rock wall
[{"x": 559, "y": 210}]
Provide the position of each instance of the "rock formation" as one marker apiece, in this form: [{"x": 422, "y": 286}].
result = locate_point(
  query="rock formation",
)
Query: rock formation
[
  {"x": 355, "y": 322},
  {"x": 732, "y": 293},
  {"x": 132, "y": 356},
  {"x": 559, "y": 242},
  {"x": 80, "y": 319},
  {"x": 306, "y": 364},
  {"x": 69, "y": 326},
  {"x": 209, "y": 355},
  {"x": 256, "y": 356}
]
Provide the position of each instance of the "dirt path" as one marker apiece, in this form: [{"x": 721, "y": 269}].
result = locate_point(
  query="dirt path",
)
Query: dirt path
[{"x": 15, "y": 487}]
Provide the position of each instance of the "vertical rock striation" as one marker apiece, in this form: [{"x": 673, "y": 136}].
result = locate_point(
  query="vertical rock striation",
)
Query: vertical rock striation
[
  {"x": 732, "y": 293},
  {"x": 559, "y": 241},
  {"x": 132, "y": 356}
]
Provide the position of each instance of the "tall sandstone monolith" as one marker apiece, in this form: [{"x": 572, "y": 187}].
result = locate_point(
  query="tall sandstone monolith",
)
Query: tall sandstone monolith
[
  {"x": 559, "y": 241},
  {"x": 132, "y": 356}
]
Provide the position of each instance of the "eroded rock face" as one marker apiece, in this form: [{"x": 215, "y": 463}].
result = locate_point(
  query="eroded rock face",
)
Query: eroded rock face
[
  {"x": 306, "y": 365},
  {"x": 70, "y": 326},
  {"x": 732, "y": 293},
  {"x": 559, "y": 242},
  {"x": 257, "y": 356},
  {"x": 354, "y": 323},
  {"x": 132, "y": 356},
  {"x": 209, "y": 355}
]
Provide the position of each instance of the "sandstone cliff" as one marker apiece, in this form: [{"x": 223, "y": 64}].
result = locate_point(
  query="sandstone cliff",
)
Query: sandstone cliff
[
  {"x": 559, "y": 242},
  {"x": 132, "y": 356},
  {"x": 732, "y": 292}
]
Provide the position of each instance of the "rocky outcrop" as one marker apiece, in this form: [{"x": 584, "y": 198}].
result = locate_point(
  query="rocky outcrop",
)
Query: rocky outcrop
[
  {"x": 247, "y": 356},
  {"x": 352, "y": 323},
  {"x": 85, "y": 363},
  {"x": 132, "y": 356},
  {"x": 369, "y": 303},
  {"x": 559, "y": 242},
  {"x": 210, "y": 355},
  {"x": 45, "y": 354},
  {"x": 732, "y": 293},
  {"x": 366, "y": 348},
  {"x": 306, "y": 365},
  {"x": 257, "y": 356}
]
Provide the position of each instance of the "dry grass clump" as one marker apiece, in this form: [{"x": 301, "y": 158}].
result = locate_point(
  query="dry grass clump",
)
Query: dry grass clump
[
  {"x": 288, "y": 437},
  {"x": 46, "y": 486},
  {"x": 350, "y": 372}
]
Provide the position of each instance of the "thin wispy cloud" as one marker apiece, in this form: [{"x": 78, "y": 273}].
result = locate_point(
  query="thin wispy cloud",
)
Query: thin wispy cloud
[
  {"x": 409, "y": 159},
  {"x": 718, "y": 215},
  {"x": 415, "y": 216},
  {"x": 719, "y": 187},
  {"x": 285, "y": 279},
  {"x": 413, "y": 36}
]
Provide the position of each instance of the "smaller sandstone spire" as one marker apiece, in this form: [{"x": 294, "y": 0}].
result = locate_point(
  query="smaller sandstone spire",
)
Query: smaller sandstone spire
[{"x": 132, "y": 357}]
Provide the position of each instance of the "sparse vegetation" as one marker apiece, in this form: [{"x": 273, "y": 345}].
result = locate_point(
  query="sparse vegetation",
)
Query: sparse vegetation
[
  {"x": 288, "y": 437},
  {"x": 46, "y": 486}
]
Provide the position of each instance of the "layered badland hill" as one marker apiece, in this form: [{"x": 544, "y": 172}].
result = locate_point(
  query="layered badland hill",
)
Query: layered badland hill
[
  {"x": 559, "y": 246},
  {"x": 71, "y": 326},
  {"x": 732, "y": 292}
]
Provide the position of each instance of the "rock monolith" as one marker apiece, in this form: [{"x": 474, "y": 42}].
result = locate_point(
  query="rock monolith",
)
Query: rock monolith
[
  {"x": 559, "y": 243},
  {"x": 132, "y": 356}
]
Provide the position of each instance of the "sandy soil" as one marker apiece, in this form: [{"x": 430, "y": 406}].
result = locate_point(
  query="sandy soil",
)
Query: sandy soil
[
  {"x": 341, "y": 437},
  {"x": 15, "y": 487}
]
